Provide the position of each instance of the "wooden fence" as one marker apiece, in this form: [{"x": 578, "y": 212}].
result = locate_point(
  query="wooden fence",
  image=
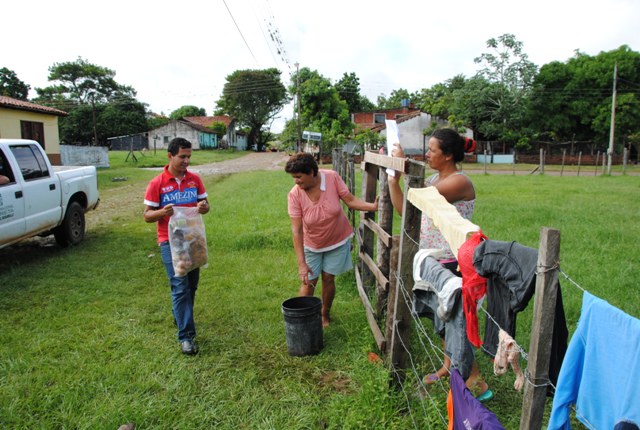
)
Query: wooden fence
[{"x": 385, "y": 264}]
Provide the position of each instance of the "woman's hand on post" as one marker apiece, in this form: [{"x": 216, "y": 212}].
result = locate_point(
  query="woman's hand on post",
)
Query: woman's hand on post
[
  {"x": 397, "y": 151},
  {"x": 374, "y": 205}
]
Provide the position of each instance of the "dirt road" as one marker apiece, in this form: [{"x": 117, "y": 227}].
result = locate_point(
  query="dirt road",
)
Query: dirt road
[
  {"x": 128, "y": 198},
  {"x": 251, "y": 161},
  {"x": 246, "y": 163}
]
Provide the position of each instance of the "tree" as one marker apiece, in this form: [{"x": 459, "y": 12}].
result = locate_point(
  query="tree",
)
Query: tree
[
  {"x": 219, "y": 128},
  {"x": 155, "y": 121},
  {"x": 85, "y": 83},
  {"x": 369, "y": 139},
  {"x": 84, "y": 90},
  {"x": 11, "y": 86},
  {"x": 438, "y": 99},
  {"x": 348, "y": 88},
  {"x": 321, "y": 108},
  {"x": 254, "y": 98},
  {"x": 510, "y": 75},
  {"x": 573, "y": 99},
  {"x": 395, "y": 99},
  {"x": 187, "y": 110}
]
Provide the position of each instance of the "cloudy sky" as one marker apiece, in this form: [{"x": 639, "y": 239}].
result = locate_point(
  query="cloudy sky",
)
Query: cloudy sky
[{"x": 179, "y": 53}]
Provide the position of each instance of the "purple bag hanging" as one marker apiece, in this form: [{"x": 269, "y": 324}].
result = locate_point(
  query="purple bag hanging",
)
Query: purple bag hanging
[{"x": 468, "y": 412}]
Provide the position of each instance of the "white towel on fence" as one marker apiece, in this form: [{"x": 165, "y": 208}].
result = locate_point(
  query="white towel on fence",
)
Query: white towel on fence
[{"x": 454, "y": 228}]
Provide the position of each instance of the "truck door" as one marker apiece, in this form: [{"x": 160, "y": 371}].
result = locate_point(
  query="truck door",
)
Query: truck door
[
  {"x": 41, "y": 188},
  {"x": 12, "y": 224}
]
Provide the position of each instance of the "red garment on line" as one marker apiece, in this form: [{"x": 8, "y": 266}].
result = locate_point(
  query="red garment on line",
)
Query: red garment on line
[{"x": 474, "y": 286}]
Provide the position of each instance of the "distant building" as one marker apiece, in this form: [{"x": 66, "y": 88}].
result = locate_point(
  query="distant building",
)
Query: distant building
[
  {"x": 411, "y": 122},
  {"x": 20, "y": 119},
  {"x": 196, "y": 130}
]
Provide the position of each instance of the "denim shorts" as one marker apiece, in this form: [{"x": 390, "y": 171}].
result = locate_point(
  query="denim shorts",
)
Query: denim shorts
[{"x": 333, "y": 262}]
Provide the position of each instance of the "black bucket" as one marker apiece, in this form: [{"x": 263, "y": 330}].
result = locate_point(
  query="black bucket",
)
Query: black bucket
[{"x": 303, "y": 325}]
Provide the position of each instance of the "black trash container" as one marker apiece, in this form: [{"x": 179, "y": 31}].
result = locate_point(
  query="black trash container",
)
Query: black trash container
[{"x": 303, "y": 325}]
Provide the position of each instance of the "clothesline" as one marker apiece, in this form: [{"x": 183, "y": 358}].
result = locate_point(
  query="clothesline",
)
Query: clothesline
[{"x": 527, "y": 377}]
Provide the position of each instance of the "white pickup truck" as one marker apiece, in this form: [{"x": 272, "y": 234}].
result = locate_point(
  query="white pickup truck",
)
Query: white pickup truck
[{"x": 37, "y": 199}]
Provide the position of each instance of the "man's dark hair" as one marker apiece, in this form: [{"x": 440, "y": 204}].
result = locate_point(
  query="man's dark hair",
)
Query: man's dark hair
[
  {"x": 302, "y": 162},
  {"x": 177, "y": 143}
]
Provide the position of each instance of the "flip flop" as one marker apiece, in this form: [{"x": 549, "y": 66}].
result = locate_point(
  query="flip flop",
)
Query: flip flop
[
  {"x": 431, "y": 378},
  {"x": 485, "y": 397}
]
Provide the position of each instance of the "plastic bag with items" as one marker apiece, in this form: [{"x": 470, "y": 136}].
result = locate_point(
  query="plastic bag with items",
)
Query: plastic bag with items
[{"x": 187, "y": 239}]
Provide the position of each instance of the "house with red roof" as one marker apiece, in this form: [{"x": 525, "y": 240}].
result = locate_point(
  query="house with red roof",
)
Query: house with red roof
[{"x": 20, "y": 119}]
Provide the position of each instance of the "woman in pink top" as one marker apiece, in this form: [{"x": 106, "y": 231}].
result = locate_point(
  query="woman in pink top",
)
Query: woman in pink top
[{"x": 320, "y": 229}]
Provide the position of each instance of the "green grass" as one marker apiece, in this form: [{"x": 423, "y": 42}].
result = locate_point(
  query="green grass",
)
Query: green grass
[
  {"x": 88, "y": 340},
  {"x": 124, "y": 169}
]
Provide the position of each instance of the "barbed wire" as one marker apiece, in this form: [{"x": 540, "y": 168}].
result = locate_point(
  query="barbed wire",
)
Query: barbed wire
[{"x": 431, "y": 351}]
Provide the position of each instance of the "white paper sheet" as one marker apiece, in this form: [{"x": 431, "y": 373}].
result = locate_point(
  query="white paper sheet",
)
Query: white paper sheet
[{"x": 393, "y": 136}]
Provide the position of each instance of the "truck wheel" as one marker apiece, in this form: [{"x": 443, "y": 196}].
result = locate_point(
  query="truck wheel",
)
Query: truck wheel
[{"x": 71, "y": 231}]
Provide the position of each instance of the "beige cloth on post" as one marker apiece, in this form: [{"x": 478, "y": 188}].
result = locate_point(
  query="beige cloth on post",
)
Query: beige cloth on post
[
  {"x": 508, "y": 353},
  {"x": 455, "y": 229}
]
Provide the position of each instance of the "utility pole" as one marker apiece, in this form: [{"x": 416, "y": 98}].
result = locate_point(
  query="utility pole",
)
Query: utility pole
[
  {"x": 298, "y": 103},
  {"x": 613, "y": 120}
]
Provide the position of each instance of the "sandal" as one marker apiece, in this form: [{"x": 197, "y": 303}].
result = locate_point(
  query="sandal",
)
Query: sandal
[
  {"x": 431, "y": 378},
  {"x": 485, "y": 397}
]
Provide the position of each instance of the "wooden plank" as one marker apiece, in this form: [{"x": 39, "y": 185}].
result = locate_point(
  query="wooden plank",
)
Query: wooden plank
[
  {"x": 383, "y": 236},
  {"x": 535, "y": 389},
  {"x": 373, "y": 324},
  {"x": 409, "y": 239},
  {"x": 383, "y": 281},
  {"x": 394, "y": 163}
]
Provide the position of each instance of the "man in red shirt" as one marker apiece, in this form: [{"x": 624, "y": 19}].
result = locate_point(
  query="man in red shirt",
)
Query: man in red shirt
[{"x": 176, "y": 186}]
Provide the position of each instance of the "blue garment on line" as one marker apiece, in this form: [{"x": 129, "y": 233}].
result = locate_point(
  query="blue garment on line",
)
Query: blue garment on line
[{"x": 601, "y": 369}]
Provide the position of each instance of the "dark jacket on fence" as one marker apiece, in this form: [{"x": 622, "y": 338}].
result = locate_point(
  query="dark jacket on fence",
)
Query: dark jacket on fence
[
  {"x": 510, "y": 269},
  {"x": 425, "y": 304}
]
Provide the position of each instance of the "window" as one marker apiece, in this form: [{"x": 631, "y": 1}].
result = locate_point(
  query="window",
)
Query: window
[
  {"x": 31, "y": 162},
  {"x": 378, "y": 118},
  {"x": 33, "y": 130},
  {"x": 5, "y": 170}
]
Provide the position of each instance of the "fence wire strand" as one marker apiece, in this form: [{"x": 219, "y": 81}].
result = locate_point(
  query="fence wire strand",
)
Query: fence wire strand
[{"x": 434, "y": 354}]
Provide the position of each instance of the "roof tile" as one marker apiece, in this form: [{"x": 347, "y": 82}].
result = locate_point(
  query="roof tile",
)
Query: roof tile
[{"x": 11, "y": 103}]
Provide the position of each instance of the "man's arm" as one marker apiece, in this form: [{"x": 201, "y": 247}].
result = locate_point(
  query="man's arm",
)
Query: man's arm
[{"x": 152, "y": 214}]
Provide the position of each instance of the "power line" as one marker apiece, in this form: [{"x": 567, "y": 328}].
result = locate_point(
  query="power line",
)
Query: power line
[
  {"x": 264, "y": 36},
  {"x": 239, "y": 31}
]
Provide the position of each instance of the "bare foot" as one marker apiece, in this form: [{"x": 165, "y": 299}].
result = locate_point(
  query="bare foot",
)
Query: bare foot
[
  {"x": 325, "y": 321},
  {"x": 477, "y": 387}
]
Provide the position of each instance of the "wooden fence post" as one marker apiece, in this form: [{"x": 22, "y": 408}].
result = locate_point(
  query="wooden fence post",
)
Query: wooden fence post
[
  {"x": 393, "y": 285},
  {"x": 383, "y": 257},
  {"x": 369, "y": 184},
  {"x": 535, "y": 387},
  {"x": 409, "y": 240}
]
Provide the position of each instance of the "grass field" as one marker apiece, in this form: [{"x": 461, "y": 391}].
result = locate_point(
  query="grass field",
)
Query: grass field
[{"x": 88, "y": 340}]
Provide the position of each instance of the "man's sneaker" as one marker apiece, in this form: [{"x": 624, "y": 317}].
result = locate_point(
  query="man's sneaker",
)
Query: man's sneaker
[{"x": 188, "y": 347}]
